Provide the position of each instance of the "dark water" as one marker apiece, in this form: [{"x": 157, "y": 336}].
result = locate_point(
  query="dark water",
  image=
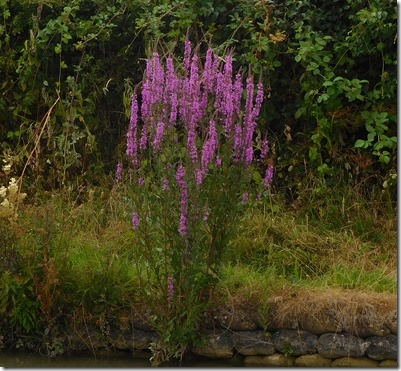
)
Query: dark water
[{"x": 109, "y": 360}]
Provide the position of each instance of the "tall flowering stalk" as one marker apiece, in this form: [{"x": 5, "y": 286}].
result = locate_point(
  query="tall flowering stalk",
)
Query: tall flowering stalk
[
  {"x": 182, "y": 183},
  {"x": 190, "y": 145}
]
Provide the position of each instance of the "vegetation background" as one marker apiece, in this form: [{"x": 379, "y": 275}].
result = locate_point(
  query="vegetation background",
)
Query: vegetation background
[{"x": 68, "y": 70}]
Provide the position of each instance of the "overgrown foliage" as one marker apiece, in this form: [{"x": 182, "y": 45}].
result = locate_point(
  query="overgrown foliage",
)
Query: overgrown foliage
[{"x": 330, "y": 70}]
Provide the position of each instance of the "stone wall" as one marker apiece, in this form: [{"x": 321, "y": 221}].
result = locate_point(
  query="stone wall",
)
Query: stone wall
[
  {"x": 366, "y": 338},
  {"x": 258, "y": 347},
  {"x": 335, "y": 332},
  {"x": 300, "y": 348}
]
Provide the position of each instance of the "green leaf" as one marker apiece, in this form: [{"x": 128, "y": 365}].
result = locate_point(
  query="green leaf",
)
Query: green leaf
[
  {"x": 360, "y": 143},
  {"x": 313, "y": 154},
  {"x": 316, "y": 138},
  {"x": 323, "y": 97},
  {"x": 57, "y": 48},
  {"x": 371, "y": 136},
  {"x": 300, "y": 111},
  {"x": 326, "y": 59},
  {"x": 327, "y": 83},
  {"x": 257, "y": 177},
  {"x": 384, "y": 159}
]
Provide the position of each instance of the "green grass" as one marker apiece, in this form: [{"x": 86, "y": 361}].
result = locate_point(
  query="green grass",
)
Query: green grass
[
  {"x": 91, "y": 244},
  {"x": 290, "y": 250}
]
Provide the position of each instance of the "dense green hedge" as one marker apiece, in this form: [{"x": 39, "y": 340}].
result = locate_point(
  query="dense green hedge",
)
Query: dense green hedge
[{"x": 330, "y": 69}]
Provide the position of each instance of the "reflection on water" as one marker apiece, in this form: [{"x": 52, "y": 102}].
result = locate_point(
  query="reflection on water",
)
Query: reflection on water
[{"x": 106, "y": 359}]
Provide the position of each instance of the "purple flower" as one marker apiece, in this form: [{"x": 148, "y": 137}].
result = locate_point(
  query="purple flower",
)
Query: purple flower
[
  {"x": 199, "y": 174},
  {"x": 268, "y": 175},
  {"x": 196, "y": 106},
  {"x": 227, "y": 94},
  {"x": 166, "y": 185},
  {"x": 144, "y": 138},
  {"x": 219, "y": 92},
  {"x": 210, "y": 146},
  {"x": 245, "y": 197},
  {"x": 191, "y": 144},
  {"x": 119, "y": 172},
  {"x": 264, "y": 149},
  {"x": 237, "y": 94},
  {"x": 158, "y": 136},
  {"x": 170, "y": 287},
  {"x": 196, "y": 100},
  {"x": 146, "y": 106},
  {"x": 187, "y": 54},
  {"x": 157, "y": 79},
  {"x": 251, "y": 113},
  {"x": 141, "y": 181},
  {"x": 248, "y": 122},
  {"x": 135, "y": 220},
  {"x": 132, "y": 146},
  {"x": 206, "y": 214},
  {"x": 259, "y": 100},
  {"x": 208, "y": 73},
  {"x": 181, "y": 181},
  {"x": 238, "y": 141},
  {"x": 172, "y": 90}
]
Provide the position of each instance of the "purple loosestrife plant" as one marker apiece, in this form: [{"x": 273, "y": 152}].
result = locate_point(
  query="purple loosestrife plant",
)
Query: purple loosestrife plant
[
  {"x": 135, "y": 220},
  {"x": 119, "y": 172},
  {"x": 181, "y": 181},
  {"x": 132, "y": 133},
  {"x": 268, "y": 175},
  {"x": 190, "y": 145}
]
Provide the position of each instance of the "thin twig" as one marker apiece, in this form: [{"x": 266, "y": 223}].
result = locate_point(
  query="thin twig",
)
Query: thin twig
[{"x": 45, "y": 121}]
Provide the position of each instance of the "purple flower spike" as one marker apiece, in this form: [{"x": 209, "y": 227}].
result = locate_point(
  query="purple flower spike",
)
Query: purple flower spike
[
  {"x": 181, "y": 181},
  {"x": 191, "y": 144},
  {"x": 158, "y": 136},
  {"x": 119, "y": 172},
  {"x": 166, "y": 185},
  {"x": 199, "y": 173},
  {"x": 210, "y": 146},
  {"x": 268, "y": 175},
  {"x": 144, "y": 139},
  {"x": 206, "y": 214},
  {"x": 208, "y": 72},
  {"x": 132, "y": 145},
  {"x": 187, "y": 54},
  {"x": 265, "y": 148},
  {"x": 135, "y": 220}
]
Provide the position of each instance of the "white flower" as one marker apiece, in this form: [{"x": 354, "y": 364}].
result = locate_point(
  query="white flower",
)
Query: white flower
[
  {"x": 7, "y": 168},
  {"x": 5, "y": 204},
  {"x": 3, "y": 192}
]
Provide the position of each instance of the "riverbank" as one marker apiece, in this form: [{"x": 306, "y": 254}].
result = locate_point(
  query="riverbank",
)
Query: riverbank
[
  {"x": 311, "y": 328},
  {"x": 71, "y": 283}
]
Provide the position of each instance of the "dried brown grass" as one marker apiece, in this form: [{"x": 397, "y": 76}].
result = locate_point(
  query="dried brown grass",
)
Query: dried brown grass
[{"x": 347, "y": 310}]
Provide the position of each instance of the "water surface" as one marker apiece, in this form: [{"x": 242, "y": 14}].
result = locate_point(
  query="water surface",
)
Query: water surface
[{"x": 106, "y": 359}]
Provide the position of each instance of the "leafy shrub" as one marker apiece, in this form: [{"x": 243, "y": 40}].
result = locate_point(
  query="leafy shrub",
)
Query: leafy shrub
[{"x": 18, "y": 306}]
